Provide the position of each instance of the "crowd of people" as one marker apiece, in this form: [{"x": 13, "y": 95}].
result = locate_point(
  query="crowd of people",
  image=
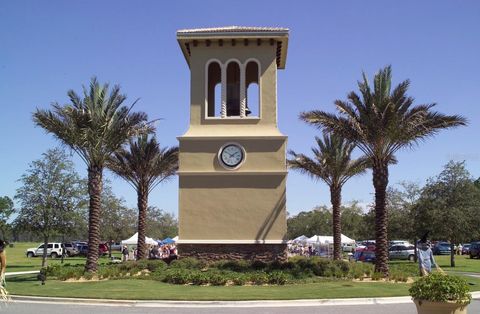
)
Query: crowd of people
[{"x": 164, "y": 251}]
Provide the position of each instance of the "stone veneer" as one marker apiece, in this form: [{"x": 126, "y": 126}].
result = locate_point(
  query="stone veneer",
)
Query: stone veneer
[{"x": 212, "y": 252}]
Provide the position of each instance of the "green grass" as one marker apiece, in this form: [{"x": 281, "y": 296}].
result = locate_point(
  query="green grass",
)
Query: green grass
[
  {"x": 463, "y": 263},
  {"x": 154, "y": 290},
  {"x": 18, "y": 261}
]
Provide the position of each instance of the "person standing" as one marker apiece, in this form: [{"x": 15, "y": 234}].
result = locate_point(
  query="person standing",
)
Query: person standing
[
  {"x": 125, "y": 253},
  {"x": 425, "y": 256}
]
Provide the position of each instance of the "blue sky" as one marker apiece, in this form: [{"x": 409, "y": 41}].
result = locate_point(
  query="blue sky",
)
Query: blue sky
[{"x": 49, "y": 47}]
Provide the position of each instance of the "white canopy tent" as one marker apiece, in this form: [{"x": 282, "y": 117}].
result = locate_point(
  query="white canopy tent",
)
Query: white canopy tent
[
  {"x": 134, "y": 240},
  {"x": 301, "y": 238},
  {"x": 329, "y": 239}
]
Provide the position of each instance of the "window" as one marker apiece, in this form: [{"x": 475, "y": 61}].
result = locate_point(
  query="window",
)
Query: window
[
  {"x": 49, "y": 246},
  {"x": 214, "y": 91},
  {"x": 233, "y": 89},
  {"x": 252, "y": 89}
]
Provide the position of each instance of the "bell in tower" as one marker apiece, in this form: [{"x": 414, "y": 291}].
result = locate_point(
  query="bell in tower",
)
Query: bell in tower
[{"x": 232, "y": 167}]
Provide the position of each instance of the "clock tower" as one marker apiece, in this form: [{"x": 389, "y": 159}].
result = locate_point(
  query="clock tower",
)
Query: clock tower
[{"x": 232, "y": 166}]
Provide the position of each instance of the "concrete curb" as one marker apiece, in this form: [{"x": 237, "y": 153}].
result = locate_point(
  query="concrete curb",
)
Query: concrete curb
[
  {"x": 218, "y": 304},
  {"x": 15, "y": 273}
]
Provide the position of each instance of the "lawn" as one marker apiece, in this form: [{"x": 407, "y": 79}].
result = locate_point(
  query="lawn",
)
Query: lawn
[
  {"x": 18, "y": 261},
  {"x": 154, "y": 290}
]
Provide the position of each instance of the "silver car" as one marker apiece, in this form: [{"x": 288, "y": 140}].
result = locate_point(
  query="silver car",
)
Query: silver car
[{"x": 402, "y": 252}]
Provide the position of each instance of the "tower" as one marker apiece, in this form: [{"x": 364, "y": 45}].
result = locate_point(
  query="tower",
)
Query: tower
[{"x": 232, "y": 166}]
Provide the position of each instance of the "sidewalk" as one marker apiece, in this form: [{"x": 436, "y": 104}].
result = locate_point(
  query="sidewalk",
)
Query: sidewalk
[{"x": 220, "y": 304}]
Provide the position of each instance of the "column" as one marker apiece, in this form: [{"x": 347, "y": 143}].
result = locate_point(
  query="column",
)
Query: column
[
  {"x": 223, "y": 111},
  {"x": 243, "y": 100}
]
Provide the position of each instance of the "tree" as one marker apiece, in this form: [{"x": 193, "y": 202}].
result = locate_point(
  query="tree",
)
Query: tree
[
  {"x": 161, "y": 224},
  {"x": 118, "y": 221},
  {"x": 449, "y": 207},
  {"x": 333, "y": 165},
  {"x": 352, "y": 221},
  {"x": 95, "y": 127},
  {"x": 51, "y": 194},
  {"x": 400, "y": 202},
  {"x": 6, "y": 210},
  {"x": 380, "y": 122},
  {"x": 144, "y": 165},
  {"x": 317, "y": 221}
]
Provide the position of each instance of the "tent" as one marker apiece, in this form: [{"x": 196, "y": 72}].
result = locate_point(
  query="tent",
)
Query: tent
[
  {"x": 329, "y": 239},
  {"x": 347, "y": 240},
  {"x": 134, "y": 240},
  {"x": 301, "y": 238},
  {"x": 168, "y": 241}
]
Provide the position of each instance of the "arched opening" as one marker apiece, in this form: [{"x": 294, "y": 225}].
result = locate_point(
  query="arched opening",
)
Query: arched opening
[
  {"x": 233, "y": 89},
  {"x": 214, "y": 93},
  {"x": 252, "y": 87}
]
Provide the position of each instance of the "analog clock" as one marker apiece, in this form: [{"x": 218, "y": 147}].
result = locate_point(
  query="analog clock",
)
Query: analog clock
[{"x": 231, "y": 155}]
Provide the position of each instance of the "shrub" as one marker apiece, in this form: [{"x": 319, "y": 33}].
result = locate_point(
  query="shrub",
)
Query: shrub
[
  {"x": 233, "y": 265},
  {"x": 199, "y": 278},
  {"x": 438, "y": 287},
  {"x": 258, "y": 265},
  {"x": 188, "y": 263},
  {"x": 217, "y": 278},
  {"x": 258, "y": 278},
  {"x": 177, "y": 276},
  {"x": 110, "y": 271},
  {"x": 377, "y": 276},
  {"x": 151, "y": 265},
  {"x": 277, "y": 278},
  {"x": 239, "y": 279}
]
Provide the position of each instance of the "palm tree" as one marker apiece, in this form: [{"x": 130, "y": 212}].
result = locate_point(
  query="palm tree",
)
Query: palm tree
[
  {"x": 95, "y": 127},
  {"x": 333, "y": 165},
  {"x": 144, "y": 165},
  {"x": 380, "y": 122}
]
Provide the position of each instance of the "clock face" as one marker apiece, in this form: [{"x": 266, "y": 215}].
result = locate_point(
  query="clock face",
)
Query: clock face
[{"x": 231, "y": 155}]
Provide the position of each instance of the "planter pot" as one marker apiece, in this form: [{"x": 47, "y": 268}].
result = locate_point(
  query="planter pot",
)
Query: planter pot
[{"x": 428, "y": 307}]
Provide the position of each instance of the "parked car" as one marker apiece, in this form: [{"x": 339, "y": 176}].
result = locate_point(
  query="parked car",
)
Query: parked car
[
  {"x": 348, "y": 248},
  {"x": 402, "y": 252},
  {"x": 117, "y": 246},
  {"x": 441, "y": 248},
  {"x": 466, "y": 249},
  {"x": 399, "y": 242},
  {"x": 474, "y": 250},
  {"x": 70, "y": 249},
  {"x": 83, "y": 249},
  {"x": 54, "y": 250},
  {"x": 364, "y": 256}
]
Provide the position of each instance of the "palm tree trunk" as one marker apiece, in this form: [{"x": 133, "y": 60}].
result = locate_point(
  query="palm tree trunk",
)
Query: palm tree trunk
[
  {"x": 142, "y": 199},
  {"x": 335, "y": 198},
  {"x": 95, "y": 192},
  {"x": 380, "y": 182}
]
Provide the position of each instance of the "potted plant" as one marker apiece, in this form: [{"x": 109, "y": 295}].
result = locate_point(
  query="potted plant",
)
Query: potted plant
[{"x": 438, "y": 293}]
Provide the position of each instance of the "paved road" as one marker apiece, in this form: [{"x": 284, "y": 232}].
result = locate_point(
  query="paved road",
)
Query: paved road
[{"x": 40, "y": 308}]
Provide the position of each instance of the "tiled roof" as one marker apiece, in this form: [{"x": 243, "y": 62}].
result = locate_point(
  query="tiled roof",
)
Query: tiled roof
[{"x": 227, "y": 29}]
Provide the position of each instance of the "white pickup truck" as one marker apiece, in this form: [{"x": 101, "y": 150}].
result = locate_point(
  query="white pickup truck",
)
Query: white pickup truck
[{"x": 54, "y": 250}]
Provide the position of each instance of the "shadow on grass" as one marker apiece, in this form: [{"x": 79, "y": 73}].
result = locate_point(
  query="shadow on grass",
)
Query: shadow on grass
[{"x": 23, "y": 278}]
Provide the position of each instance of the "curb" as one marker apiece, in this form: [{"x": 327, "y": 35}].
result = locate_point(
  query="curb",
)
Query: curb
[{"x": 218, "y": 304}]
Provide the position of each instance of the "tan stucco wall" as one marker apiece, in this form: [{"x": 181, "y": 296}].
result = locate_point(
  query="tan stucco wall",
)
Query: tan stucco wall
[{"x": 236, "y": 207}]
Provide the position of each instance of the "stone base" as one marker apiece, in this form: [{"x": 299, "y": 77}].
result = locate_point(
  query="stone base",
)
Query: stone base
[{"x": 215, "y": 252}]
